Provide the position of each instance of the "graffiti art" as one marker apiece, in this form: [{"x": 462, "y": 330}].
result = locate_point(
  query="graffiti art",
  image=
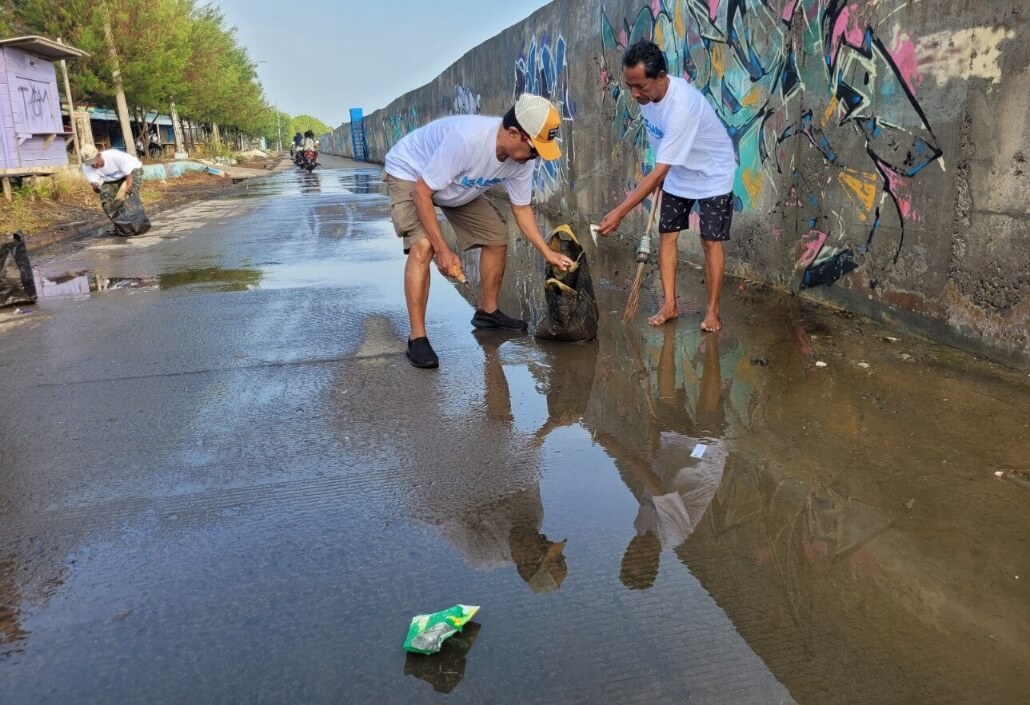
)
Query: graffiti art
[{"x": 841, "y": 90}]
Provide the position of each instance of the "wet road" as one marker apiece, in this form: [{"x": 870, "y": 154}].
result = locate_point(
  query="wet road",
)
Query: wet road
[{"x": 221, "y": 482}]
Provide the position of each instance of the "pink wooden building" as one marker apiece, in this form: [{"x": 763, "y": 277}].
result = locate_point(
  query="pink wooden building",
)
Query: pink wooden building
[{"x": 32, "y": 133}]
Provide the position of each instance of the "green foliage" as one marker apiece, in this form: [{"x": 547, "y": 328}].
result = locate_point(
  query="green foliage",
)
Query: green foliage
[
  {"x": 167, "y": 50},
  {"x": 303, "y": 123}
]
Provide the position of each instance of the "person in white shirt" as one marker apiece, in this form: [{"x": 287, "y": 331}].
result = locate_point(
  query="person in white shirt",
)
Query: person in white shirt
[
  {"x": 310, "y": 143},
  {"x": 450, "y": 163},
  {"x": 695, "y": 163},
  {"x": 116, "y": 176}
]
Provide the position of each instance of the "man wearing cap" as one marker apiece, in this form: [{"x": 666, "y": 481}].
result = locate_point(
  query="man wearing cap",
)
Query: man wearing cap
[
  {"x": 116, "y": 176},
  {"x": 450, "y": 163}
]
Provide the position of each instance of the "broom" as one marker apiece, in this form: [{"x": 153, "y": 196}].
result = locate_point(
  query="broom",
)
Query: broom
[{"x": 643, "y": 253}]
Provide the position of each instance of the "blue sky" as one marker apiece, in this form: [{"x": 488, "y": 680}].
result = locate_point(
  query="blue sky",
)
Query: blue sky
[{"x": 327, "y": 56}]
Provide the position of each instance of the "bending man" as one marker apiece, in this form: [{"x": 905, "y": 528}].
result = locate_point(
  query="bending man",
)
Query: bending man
[
  {"x": 117, "y": 176},
  {"x": 694, "y": 163},
  {"x": 450, "y": 163}
]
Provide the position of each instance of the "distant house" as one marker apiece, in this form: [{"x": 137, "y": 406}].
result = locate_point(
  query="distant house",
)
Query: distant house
[{"x": 32, "y": 133}]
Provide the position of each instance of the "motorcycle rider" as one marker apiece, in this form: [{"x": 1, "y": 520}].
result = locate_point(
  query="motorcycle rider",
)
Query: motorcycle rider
[{"x": 298, "y": 140}]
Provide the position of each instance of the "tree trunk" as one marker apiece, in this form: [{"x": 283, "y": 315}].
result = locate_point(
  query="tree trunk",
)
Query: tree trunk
[
  {"x": 180, "y": 145},
  {"x": 116, "y": 78}
]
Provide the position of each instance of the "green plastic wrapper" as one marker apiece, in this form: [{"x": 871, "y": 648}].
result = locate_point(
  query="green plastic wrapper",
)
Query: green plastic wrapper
[{"x": 427, "y": 632}]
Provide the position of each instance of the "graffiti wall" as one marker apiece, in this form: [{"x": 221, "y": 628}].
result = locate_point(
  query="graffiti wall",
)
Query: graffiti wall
[{"x": 881, "y": 143}]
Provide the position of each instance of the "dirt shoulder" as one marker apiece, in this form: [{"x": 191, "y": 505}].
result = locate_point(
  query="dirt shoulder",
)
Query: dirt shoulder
[{"x": 64, "y": 207}]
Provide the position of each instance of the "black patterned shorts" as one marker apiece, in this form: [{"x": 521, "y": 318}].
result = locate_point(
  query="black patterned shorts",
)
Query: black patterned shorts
[{"x": 716, "y": 215}]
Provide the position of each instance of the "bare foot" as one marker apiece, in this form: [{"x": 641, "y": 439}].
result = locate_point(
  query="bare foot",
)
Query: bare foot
[
  {"x": 665, "y": 313},
  {"x": 712, "y": 323}
]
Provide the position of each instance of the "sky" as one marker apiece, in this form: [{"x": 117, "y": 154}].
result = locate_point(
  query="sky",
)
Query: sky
[{"x": 327, "y": 56}]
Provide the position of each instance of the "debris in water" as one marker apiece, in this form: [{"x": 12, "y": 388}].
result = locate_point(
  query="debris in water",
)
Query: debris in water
[
  {"x": 891, "y": 339},
  {"x": 699, "y": 450},
  {"x": 910, "y": 503},
  {"x": 759, "y": 360},
  {"x": 820, "y": 363},
  {"x": 427, "y": 632},
  {"x": 864, "y": 365}
]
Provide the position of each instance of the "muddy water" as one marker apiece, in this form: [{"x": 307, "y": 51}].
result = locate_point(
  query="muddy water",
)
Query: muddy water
[{"x": 221, "y": 482}]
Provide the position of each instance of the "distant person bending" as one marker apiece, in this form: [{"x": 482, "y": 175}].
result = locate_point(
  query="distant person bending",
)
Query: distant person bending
[
  {"x": 117, "y": 176},
  {"x": 450, "y": 163}
]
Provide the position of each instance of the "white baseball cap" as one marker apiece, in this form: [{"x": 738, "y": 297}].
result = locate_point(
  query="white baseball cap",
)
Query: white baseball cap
[{"x": 538, "y": 117}]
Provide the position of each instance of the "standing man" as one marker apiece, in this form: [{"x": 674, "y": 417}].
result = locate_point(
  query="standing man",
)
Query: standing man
[
  {"x": 450, "y": 163},
  {"x": 117, "y": 176},
  {"x": 694, "y": 163}
]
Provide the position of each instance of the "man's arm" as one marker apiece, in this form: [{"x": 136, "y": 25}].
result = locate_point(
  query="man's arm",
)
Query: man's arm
[
  {"x": 526, "y": 221},
  {"x": 446, "y": 261},
  {"x": 645, "y": 188}
]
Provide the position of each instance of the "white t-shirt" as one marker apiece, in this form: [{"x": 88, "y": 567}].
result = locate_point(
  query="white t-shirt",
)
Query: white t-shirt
[
  {"x": 687, "y": 135},
  {"x": 117, "y": 165},
  {"x": 457, "y": 158}
]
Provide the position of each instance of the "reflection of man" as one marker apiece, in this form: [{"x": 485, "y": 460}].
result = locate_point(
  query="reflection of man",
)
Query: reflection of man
[
  {"x": 506, "y": 530},
  {"x": 673, "y": 487},
  {"x": 117, "y": 176}
]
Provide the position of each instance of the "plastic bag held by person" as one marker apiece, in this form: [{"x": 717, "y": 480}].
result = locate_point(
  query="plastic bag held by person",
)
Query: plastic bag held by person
[
  {"x": 16, "y": 283},
  {"x": 571, "y": 307}
]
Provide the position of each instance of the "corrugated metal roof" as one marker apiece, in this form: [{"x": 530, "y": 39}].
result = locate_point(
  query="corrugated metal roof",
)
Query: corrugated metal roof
[
  {"x": 105, "y": 114},
  {"x": 46, "y": 48}
]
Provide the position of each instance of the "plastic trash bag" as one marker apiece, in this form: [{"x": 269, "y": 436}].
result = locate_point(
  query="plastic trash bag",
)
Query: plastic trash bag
[
  {"x": 125, "y": 209},
  {"x": 571, "y": 307},
  {"x": 16, "y": 283},
  {"x": 427, "y": 632}
]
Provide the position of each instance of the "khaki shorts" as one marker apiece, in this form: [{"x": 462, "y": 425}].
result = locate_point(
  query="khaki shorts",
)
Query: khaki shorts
[{"x": 477, "y": 223}]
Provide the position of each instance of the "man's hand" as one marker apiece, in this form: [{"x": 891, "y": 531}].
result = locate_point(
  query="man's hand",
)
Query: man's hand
[
  {"x": 557, "y": 260},
  {"x": 609, "y": 223},
  {"x": 448, "y": 263}
]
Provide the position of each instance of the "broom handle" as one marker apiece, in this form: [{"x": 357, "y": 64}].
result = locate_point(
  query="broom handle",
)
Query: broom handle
[{"x": 644, "y": 249}]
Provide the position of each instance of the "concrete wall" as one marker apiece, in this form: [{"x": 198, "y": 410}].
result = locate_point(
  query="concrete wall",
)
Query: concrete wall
[{"x": 882, "y": 144}]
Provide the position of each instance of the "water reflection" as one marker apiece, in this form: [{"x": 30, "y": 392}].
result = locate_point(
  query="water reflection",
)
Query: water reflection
[
  {"x": 83, "y": 284},
  {"x": 445, "y": 669},
  {"x": 507, "y": 530},
  {"x": 310, "y": 182}
]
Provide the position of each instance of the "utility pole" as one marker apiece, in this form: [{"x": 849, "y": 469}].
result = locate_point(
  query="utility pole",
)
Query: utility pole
[
  {"x": 278, "y": 131},
  {"x": 116, "y": 78},
  {"x": 71, "y": 105}
]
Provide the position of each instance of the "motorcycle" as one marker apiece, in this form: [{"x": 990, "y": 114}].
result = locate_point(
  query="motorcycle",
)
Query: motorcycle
[{"x": 308, "y": 159}]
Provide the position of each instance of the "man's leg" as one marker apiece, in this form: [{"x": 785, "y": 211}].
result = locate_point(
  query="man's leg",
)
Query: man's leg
[
  {"x": 479, "y": 224},
  {"x": 716, "y": 216},
  {"x": 416, "y": 286},
  {"x": 492, "y": 260},
  {"x": 714, "y": 268},
  {"x": 667, "y": 255}
]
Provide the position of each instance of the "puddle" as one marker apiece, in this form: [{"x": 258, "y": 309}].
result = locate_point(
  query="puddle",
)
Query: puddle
[{"x": 714, "y": 514}]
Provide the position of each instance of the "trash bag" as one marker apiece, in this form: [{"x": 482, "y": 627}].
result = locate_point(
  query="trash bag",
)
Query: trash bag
[
  {"x": 129, "y": 217},
  {"x": 571, "y": 307},
  {"x": 16, "y": 283}
]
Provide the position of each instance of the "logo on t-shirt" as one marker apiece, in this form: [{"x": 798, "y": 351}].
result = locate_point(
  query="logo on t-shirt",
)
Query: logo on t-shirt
[
  {"x": 653, "y": 129},
  {"x": 466, "y": 182}
]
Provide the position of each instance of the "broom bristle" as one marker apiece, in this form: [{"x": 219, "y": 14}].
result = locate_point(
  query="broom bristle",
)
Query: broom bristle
[{"x": 634, "y": 295}]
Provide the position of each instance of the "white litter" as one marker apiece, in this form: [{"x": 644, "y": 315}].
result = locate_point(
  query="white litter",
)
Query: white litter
[
  {"x": 999, "y": 473},
  {"x": 699, "y": 450},
  {"x": 593, "y": 232},
  {"x": 820, "y": 363},
  {"x": 864, "y": 365}
]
